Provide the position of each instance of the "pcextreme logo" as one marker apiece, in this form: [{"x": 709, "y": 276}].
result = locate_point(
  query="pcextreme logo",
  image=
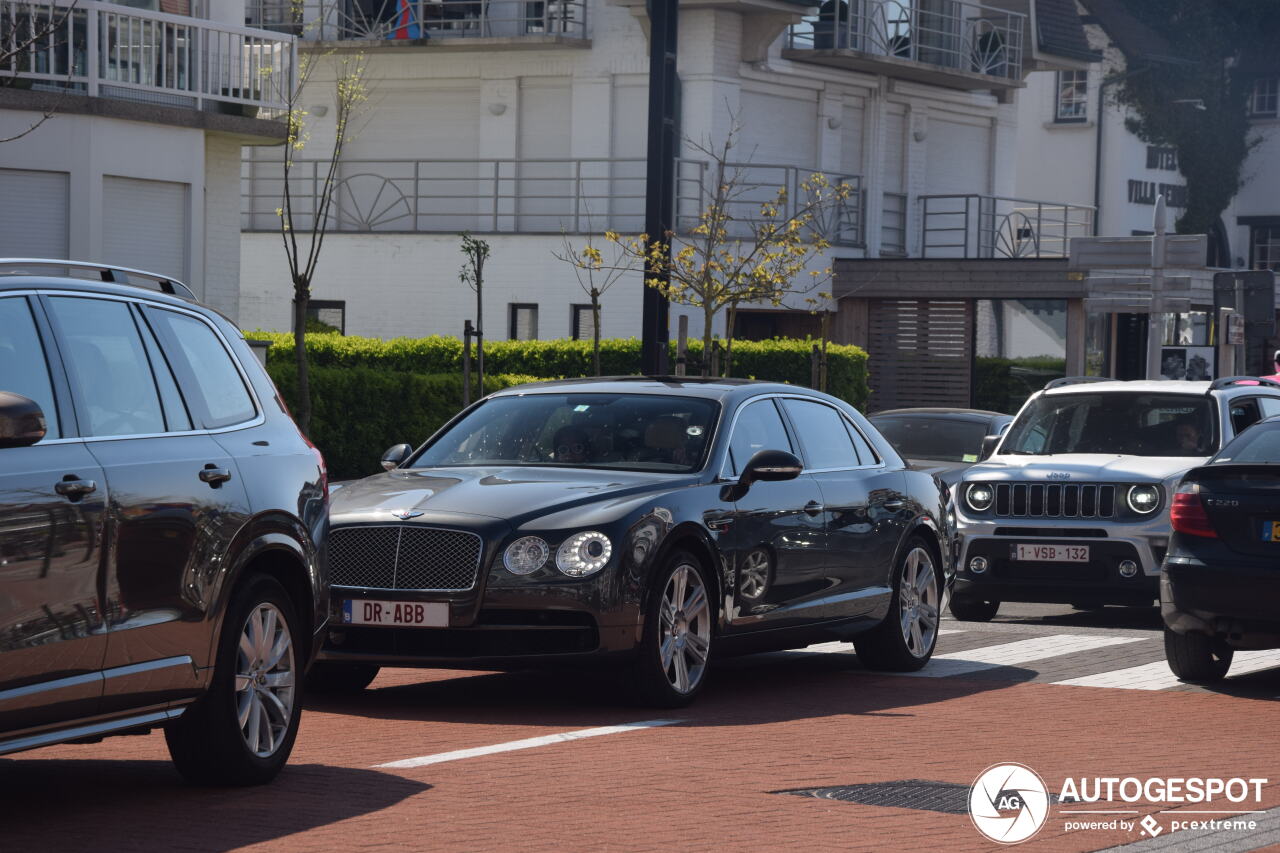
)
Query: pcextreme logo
[{"x": 1009, "y": 803}]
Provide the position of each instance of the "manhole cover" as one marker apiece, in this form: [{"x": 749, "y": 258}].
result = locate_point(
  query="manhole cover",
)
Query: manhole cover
[{"x": 946, "y": 797}]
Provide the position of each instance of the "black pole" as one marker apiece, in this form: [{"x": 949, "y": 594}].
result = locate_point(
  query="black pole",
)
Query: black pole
[{"x": 660, "y": 179}]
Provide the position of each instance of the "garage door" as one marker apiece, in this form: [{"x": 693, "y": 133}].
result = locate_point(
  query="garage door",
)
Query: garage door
[
  {"x": 144, "y": 225},
  {"x": 33, "y": 214}
]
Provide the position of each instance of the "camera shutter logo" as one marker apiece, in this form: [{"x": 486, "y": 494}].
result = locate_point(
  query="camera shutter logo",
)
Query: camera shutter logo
[{"x": 1009, "y": 803}]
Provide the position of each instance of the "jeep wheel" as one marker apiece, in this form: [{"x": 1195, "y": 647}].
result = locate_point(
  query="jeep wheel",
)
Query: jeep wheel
[
  {"x": 1197, "y": 658},
  {"x": 242, "y": 730},
  {"x": 970, "y": 609}
]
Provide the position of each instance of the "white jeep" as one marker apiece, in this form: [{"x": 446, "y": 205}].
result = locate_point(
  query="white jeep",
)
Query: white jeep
[{"x": 1073, "y": 505}]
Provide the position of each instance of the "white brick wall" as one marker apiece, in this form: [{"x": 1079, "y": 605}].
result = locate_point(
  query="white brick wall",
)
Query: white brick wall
[{"x": 221, "y": 250}]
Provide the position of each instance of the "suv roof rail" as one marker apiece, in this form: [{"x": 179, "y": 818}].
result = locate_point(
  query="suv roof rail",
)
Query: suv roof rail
[
  {"x": 107, "y": 272},
  {"x": 1227, "y": 381},
  {"x": 1075, "y": 380}
]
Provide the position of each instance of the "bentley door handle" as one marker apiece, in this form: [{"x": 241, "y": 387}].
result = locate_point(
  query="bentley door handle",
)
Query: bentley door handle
[
  {"x": 814, "y": 508},
  {"x": 214, "y": 475},
  {"x": 73, "y": 488},
  {"x": 894, "y": 505}
]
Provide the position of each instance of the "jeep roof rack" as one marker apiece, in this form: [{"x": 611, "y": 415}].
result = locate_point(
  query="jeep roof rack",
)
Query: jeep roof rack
[
  {"x": 1227, "y": 381},
  {"x": 107, "y": 272},
  {"x": 1075, "y": 380}
]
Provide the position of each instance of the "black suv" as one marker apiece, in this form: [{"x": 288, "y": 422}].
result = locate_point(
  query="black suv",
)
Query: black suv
[{"x": 162, "y": 525}]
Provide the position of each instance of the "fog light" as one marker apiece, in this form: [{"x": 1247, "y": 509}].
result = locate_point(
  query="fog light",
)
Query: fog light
[
  {"x": 978, "y": 565},
  {"x": 1128, "y": 568}
]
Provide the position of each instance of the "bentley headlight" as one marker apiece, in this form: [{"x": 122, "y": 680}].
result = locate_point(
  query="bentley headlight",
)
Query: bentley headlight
[
  {"x": 526, "y": 555},
  {"x": 979, "y": 496},
  {"x": 1144, "y": 499},
  {"x": 584, "y": 554}
]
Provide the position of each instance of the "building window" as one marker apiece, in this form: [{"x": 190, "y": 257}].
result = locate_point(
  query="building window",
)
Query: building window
[
  {"x": 1073, "y": 96},
  {"x": 1265, "y": 97},
  {"x": 523, "y": 321},
  {"x": 1264, "y": 247},
  {"x": 582, "y": 322},
  {"x": 327, "y": 315}
]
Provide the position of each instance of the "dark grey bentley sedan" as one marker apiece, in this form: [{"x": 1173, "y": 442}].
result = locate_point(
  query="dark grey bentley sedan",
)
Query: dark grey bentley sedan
[{"x": 650, "y": 522}]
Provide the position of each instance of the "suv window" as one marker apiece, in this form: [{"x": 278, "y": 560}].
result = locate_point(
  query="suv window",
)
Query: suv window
[
  {"x": 1270, "y": 406},
  {"x": 822, "y": 432},
  {"x": 108, "y": 366},
  {"x": 1244, "y": 414},
  {"x": 759, "y": 427},
  {"x": 213, "y": 379},
  {"x": 1119, "y": 422},
  {"x": 23, "y": 369}
]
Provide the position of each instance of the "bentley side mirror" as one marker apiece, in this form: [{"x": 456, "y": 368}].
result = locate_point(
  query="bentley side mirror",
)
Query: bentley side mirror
[
  {"x": 395, "y": 455},
  {"x": 21, "y": 421},
  {"x": 989, "y": 445},
  {"x": 766, "y": 465}
]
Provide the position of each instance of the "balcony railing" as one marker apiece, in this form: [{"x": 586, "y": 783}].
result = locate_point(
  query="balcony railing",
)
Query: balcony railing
[
  {"x": 953, "y": 34},
  {"x": 401, "y": 20},
  {"x": 982, "y": 226},
  {"x": 578, "y": 196},
  {"x": 893, "y": 225},
  {"x": 112, "y": 51}
]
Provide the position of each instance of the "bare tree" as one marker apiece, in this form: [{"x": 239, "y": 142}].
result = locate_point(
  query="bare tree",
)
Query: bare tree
[
  {"x": 476, "y": 252},
  {"x": 595, "y": 277},
  {"x": 302, "y": 245},
  {"x": 27, "y": 35}
]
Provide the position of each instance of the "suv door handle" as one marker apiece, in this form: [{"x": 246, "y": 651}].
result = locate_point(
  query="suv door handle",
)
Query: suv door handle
[
  {"x": 73, "y": 488},
  {"x": 814, "y": 508},
  {"x": 894, "y": 505},
  {"x": 215, "y": 476}
]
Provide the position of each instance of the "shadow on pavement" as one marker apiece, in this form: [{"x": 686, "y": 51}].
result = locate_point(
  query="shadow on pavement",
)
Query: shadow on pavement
[
  {"x": 65, "y": 804},
  {"x": 1138, "y": 618}
]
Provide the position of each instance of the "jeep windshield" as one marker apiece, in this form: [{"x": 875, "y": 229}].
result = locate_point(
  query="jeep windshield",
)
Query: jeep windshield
[
  {"x": 636, "y": 432},
  {"x": 1114, "y": 422}
]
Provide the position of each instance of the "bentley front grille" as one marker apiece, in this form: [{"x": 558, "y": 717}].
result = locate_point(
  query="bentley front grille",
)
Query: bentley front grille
[
  {"x": 404, "y": 556},
  {"x": 1055, "y": 500}
]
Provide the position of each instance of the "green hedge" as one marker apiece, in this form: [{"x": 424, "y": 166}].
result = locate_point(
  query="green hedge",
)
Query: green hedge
[
  {"x": 358, "y": 412},
  {"x": 779, "y": 360},
  {"x": 1004, "y": 384}
]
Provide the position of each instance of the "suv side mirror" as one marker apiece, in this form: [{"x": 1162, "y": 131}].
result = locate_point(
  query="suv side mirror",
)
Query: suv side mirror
[
  {"x": 989, "y": 445},
  {"x": 395, "y": 455},
  {"x": 21, "y": 421}
]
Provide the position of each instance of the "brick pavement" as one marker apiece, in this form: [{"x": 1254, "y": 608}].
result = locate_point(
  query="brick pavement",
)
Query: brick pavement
[{"x": 786, "y": 721}]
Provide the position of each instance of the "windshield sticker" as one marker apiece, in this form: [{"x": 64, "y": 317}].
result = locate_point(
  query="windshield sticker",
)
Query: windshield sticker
[
  {"x": 970, "y": 457},
  {"x": 694, "y": 430},
  {"x": 581, "y": 408}
]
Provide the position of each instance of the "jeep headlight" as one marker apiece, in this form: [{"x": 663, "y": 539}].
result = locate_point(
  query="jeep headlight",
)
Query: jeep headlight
[
  {"x": 526, "y": 555},
  {"x": 584, "y": 554},
  {"x": 979, "y": 496},
  {"x": 1144, "y": 500}
]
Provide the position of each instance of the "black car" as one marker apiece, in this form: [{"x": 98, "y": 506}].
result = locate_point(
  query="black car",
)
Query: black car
[
  {"x": 162, "y": 526},
  {"x": 942, "y": 442},
  {"x": 650, "y": 522},
  {"x": 1219, "y": 585}
]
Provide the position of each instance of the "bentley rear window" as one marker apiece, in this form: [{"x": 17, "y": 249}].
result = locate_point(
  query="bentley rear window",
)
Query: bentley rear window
[
  {"x": 639, "y": 432},
  {"x": 1115, "y": 422}
]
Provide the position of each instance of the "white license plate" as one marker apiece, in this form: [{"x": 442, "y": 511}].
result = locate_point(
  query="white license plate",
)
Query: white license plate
[
  {"x": 1052, "y": 553},
  {"x": 404, "y": 614}
]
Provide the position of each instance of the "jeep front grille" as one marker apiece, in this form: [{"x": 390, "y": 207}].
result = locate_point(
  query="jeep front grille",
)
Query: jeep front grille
[
  {"x": 1055, "y": 500},
  {"x": 404, "y": 556}
]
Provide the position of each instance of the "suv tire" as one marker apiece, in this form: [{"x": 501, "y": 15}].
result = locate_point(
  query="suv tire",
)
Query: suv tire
[
  {"x": 1197, "y": 658},
  {"x": 208, "y": 743},
  {"x": 970, "y": 609},
  {"x": 336, "y": 677}
]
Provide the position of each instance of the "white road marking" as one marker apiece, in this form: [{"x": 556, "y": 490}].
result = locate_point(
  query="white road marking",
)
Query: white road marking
[
  {"x": 1157, "y": 676},
  {"x": 1012, "y": 654},
  {"x": 527, "y": 743},
  {"x": 841, "y": 646}
]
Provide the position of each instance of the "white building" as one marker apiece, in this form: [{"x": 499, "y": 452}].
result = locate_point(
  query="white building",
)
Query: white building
[
  {"x": 520, "y": 120},
  {"x": 149, "y": 105}
]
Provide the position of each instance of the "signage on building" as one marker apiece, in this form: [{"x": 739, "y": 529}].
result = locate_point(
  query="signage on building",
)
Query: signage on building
[
  {"x": 1162, "y": 157},
  {"x": 1146, "y": 192}
]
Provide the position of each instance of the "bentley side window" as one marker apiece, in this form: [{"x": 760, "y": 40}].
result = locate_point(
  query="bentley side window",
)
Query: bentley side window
[
  {"x": 822, "y": 432},
  {"x": 759, "y": 427}
]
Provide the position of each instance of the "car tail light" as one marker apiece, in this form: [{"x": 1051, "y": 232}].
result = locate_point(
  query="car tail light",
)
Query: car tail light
[{"x": 1188, "y": 514}]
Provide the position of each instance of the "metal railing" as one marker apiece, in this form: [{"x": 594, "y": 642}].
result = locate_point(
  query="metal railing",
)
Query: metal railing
[
  {"x": 398, "y": 20},
  {"x": 107, "y": 50},
  {"x": 983, "y": 226},
  {"x": 575, "y": 196},
  {"x": 893, "y": 225},
  {"x": 954, "y": 34}
]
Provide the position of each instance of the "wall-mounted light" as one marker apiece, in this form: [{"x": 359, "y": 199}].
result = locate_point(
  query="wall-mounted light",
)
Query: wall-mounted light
[
  {"x": 834, "y": 122},
  {"x": 497, "y": 109}
]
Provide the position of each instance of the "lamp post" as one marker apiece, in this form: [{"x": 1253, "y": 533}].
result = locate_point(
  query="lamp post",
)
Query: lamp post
[
  {"x": 660, "y": 178},
  {"x": 1155, "y": 326}
]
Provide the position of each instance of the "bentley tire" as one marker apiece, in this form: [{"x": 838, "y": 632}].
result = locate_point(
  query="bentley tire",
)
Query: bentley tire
[
  {"x": 675, "y": 648},
  {"x": 905, "y": 640}
]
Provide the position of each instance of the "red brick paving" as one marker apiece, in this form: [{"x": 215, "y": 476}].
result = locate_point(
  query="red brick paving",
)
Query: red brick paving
[{"x": 700, "y": 785}]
